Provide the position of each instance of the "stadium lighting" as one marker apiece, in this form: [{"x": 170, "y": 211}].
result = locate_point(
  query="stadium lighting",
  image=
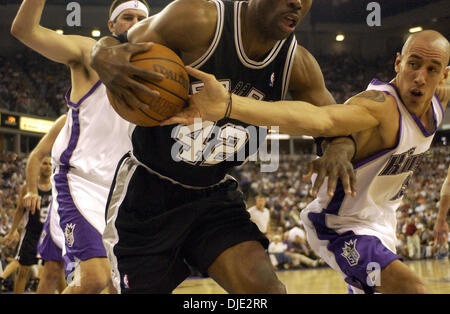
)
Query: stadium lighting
[
  {"x": 340, "y": 37},
  {"x": 96, "y": 33},
  {"x": 59, "y": 31},
  {"x": 415, "y": 29}
]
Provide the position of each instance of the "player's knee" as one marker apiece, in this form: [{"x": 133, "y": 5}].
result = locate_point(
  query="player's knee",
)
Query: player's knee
[
  {"x": 414, "y": 286},
  {"x": 95, "y": 280}
]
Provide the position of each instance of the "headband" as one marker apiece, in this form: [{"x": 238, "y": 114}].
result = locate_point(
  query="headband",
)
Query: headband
[{"x": 136, "y": 5}]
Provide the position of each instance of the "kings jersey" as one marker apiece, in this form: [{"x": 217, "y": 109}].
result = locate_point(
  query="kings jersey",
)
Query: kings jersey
[{"x": 199, "y": 155}]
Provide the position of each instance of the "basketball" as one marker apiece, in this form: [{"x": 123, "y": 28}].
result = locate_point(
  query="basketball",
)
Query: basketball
[{"x": 173, "y": 88}]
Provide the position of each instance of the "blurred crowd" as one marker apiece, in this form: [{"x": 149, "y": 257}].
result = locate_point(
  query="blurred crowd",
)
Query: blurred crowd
[{"x": 32, "y": 84}]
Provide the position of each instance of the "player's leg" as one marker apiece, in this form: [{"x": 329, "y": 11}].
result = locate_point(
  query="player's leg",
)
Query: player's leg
[
  {"x": 9, "y": 269},
  {"x": 50, "y": 277},
  {"x": 246, "y": 268},
  {"x": 21, "y": 279},
  {"x": 229, "y": 246},
  {"x": 91, "y": 277},
  {"x": 399, "y": 278}
]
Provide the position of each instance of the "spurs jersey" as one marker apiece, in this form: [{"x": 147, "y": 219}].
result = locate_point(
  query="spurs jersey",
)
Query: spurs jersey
[
  {"x": 35, "y": 222},
  {"x": 382, "y": 180},
  {"x": 200, "y": 155}
]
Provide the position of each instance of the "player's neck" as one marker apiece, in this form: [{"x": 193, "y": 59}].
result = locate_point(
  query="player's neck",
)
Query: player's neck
[
  {"x": 44, "y": 183},
  {"x": 256, "y": 44}
]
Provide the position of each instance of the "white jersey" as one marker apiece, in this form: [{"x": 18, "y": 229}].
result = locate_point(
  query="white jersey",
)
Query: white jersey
[
  {"x": 87, "y": 150},
  {"x": 93, "y": 139},
  {"x": 381, "y": 179}
]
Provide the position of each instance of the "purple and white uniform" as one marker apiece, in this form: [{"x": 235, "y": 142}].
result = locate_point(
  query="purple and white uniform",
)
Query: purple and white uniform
[
  {"x": 356, "y": 235},
  {"x": 84, "y": 156}
]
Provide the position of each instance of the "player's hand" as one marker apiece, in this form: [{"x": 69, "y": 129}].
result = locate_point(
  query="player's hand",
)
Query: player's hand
[
  {"x": 32, "y": 201},
  {"x": 440, "y": 230},
  {"x": 208, "y": 104},
  {"x": 123, "y": 80},
  {"x": 336, "y": 165}
]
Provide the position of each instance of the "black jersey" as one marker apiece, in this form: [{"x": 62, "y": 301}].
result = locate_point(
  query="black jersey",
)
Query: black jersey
[
  {"x": 200, "y": 155},
  {"x": 35, "y": 222}
]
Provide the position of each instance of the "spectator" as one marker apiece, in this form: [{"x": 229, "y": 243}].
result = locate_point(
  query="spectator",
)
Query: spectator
[
  {"x": 259, "y": 214},
  {"x": 413, "y": 239},
  {"x": 278, "y": 253}
]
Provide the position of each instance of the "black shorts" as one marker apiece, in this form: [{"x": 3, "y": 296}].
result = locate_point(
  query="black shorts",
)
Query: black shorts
[
  {"x": 27, "y": 252},
  {"x": 154, "y": 228}
]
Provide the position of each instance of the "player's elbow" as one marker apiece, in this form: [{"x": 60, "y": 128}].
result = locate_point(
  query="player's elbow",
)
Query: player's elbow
[{"x": 17, "y": 30}]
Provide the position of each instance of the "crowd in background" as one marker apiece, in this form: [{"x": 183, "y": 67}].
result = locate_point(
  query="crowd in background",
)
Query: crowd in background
[{"x": 31, "y": 84}]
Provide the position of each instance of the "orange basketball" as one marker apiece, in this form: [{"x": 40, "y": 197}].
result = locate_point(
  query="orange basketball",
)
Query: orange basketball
[{"x": 173, "y": 88}]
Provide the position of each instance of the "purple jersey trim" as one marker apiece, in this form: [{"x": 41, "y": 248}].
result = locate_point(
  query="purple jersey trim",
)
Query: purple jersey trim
[{"x": 89, "y": 93}]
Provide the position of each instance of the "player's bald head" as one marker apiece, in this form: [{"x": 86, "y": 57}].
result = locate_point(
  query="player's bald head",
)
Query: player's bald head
[{"x": 430, "y": 40}]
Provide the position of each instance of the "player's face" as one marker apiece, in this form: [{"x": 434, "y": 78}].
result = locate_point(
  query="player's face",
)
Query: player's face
[
  {"x": 419, "y": 71},
  {"x": 126, "y": 20},
  {"x": 279, "y": 18},
  {"x": 46, "y": 167}
]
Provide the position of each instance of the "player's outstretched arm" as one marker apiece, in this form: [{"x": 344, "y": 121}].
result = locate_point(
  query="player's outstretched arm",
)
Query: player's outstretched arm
[
  {"x": 441, "y": 225},
  {"x": 293, "y": 117},
  {"x": 67, "y": 49},
  {"x": 31, "y": 199}
]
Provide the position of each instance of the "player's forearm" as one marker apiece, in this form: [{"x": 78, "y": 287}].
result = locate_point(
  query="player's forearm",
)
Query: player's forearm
[
  {"x": 28, "y": 18},
  {"x": 296, "y": 119},
  {"x": 444, "y": 203},
  {"x": 302, "y": 118},
  {"x": 17, "y": 218},
  {"x": 32, "y": 173}
]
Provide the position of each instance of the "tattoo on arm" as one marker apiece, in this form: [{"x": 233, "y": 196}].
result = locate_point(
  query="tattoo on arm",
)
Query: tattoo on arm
[{"x": 373, "y": 95}]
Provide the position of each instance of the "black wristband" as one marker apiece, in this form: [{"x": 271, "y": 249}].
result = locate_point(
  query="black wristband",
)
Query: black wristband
[{"x": 123, "y": 38}]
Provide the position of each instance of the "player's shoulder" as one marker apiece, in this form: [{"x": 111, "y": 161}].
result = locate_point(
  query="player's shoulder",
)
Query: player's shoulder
[
  {"x": 193, "y": 9},
  {"x": 380, "y": 103}
]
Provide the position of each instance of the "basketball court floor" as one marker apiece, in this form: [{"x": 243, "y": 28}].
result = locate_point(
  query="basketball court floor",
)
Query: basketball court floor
[{"x": 435, "y": 273}]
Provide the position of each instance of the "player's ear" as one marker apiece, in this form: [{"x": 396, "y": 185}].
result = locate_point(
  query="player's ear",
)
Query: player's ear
[
  {"x": 111, "y": 26},
  {"x": 397, "y": 62}
]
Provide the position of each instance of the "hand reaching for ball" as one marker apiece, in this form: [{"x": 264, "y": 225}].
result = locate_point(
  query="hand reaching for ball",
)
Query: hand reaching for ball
[{"x": 208, "y": 104}]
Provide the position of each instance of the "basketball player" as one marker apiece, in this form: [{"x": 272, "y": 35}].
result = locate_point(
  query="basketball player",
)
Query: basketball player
[
  {"x": 164, "y": 210},
  {"x": 87, "y": 149},
  {"x": 34, "y": 221},
  {"x": 52, "y": 238},
  {"x": 393, "y": 125},
  {"x": 441, "y": 226}
]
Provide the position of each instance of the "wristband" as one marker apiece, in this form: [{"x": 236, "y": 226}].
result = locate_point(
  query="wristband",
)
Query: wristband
[
  {"x": 123, "y": 38},
  {"x": 229, "y": 107}
]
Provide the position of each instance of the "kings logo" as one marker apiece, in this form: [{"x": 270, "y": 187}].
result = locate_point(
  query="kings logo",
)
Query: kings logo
[
  {"x": 68, "y": 232},
  {"x": 350, "y": 253}
]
